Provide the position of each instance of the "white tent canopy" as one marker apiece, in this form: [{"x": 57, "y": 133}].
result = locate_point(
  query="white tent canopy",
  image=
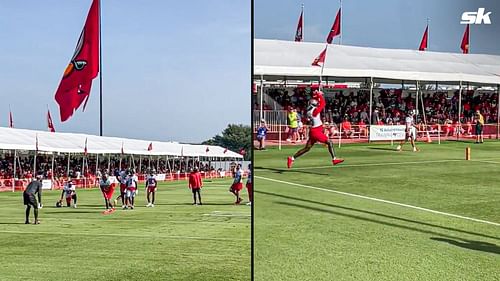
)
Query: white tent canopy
[
  {"x": 275, "y": 59},
  {"x": 22, "y": 139}
]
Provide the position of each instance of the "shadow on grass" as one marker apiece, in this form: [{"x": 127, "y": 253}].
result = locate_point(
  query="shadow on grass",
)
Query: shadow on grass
[
  {"x": 72, "y": 211},
  {"x": 382, "y": 148},
  {"x": 373, "y": 213},
  {"x": 12, "y": 223},
  {"x": 472, "y": 245},
  {"x": 281, "y": 171}
]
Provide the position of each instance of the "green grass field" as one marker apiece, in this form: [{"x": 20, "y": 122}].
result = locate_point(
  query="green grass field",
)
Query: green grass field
[
  {"x": 172, "y": 241},
  {"x": 306, "y": 230}
]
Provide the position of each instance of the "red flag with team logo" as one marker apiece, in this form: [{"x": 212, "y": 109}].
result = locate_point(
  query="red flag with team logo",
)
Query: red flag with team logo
[
  {"x": 298, "y": 33},
  {"x": 423, "y": 43},
  {"x": 150, "y": 146},
  {"x": 465, "y": 41},
  {"x": 74, "y": 88},
  {"x": 335, "y": 30},
  {"x": 50, "y": 124},
  {"x": 320, "y": 59}
]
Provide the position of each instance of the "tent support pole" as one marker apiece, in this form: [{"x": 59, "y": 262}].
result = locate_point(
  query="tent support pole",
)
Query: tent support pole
[
  {"x": 67, "y": 171},
  {"x": 96, "y": 163},
  {"x": 149, "y": 163},
  {"x": 158, "y": 164},
  {"x": 14, "y": 175},
  {"x": 120, "y": 164},
  {"x": 52, "y": 171},
  {"x": 498, "y": 111},
  {"x": 109, "y": 163},
  {"x": 459, "y": 107},
  {"x": 371, "y": 99},
  {"x": 140, "y": 164},
  {"x": 261, "y": 97},
  {"x": 34, "y": 164}
]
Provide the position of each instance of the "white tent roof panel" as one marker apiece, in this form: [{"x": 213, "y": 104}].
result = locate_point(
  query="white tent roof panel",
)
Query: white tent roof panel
[
  {"x": 22, "y": 139},
  {"x": 277, "y": 58}
]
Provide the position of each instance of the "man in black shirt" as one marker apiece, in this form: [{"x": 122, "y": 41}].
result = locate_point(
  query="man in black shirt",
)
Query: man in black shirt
[{"x": 35, "y": 187}]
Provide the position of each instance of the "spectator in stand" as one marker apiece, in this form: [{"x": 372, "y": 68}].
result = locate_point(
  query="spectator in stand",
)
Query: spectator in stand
[
  {"x": 347, "y": 128},
  {"x": 261, "y": 134},
  {"x": 479, "y": 127},
  {"x": 362, "y": 128},
  {"x": 195, "y": 184},
  {"x": 468, "y": 130}
]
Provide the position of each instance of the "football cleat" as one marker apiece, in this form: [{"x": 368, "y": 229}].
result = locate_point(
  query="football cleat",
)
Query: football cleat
[
  {"x": 337, "y": 161},
  {"x": 289, "y": 162}
]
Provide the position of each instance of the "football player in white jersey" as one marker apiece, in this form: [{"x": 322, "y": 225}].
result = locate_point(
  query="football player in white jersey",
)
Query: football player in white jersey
[
  {"x": 69, "y": 192},
  {"x": 316, "y": 133},
  {"x": 411, "y": 131}
]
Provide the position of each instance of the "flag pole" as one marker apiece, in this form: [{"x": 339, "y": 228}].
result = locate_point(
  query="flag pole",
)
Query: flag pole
[
  {"x": 321, "y": 74},
  {"x": 341, "y": 22},
  {"x": 428, "y": 34},
  {"x": 100, "y": 72}
]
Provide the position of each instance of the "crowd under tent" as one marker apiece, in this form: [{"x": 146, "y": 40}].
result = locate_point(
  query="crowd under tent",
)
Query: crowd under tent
[{"x": 277, "y": 60}]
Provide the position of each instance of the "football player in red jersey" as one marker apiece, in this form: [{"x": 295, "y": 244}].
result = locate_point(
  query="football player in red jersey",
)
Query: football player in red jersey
[{"x": 316, "y": 134}]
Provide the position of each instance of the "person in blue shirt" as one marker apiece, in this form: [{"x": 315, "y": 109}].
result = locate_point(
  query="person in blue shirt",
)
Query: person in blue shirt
[{"x": 261, "y": 134}]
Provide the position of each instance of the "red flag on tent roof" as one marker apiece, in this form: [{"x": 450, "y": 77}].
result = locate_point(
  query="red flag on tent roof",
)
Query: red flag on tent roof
[
  {"x": 225, "y": 150},
  {"x": 76, "y": 82},
  {"x": 50, "y": 124},
  {"x": 85, "y": 148},
  {"x": 243, "y": 152},
  {"x": 423, "y": 43},
  {"x": 207, "y": 150},
  {"x": 150, "y": 146},
  {"x": 11, "y": 121},
  {"x": 298, "y": 33},
  {"x": 335, "y": 30},
  {"x": 320, "y": 59},
  {"x": 465, "y": 41}
]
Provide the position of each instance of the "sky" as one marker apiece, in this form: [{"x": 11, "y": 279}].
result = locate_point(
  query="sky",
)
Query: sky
[
  {"x": 172, "y": 70},
  {"x": 398, "y": 24}
]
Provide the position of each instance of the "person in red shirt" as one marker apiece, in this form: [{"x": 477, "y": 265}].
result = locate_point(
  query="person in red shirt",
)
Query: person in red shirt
[
  {"x": 195, "y": 184},
  {"x": 347, "y": 128}
]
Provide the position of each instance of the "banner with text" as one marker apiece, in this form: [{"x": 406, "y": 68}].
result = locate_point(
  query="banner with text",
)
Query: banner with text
[{"x": 387, "y": 133}]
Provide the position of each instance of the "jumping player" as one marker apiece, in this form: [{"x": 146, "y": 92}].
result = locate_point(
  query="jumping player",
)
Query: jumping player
[
  {"x": 35, "y": 187},
  {"x": 107, "y": 189},
  {"x": 249, "y": 185},
  {"x": 151, "y": 186},
  {"x": 131, "y": 191},
  {"x": 195, "y": 184},
  {"x": 411, "y": 131},
  {"x": 316, "y": 134},
  {"x": 69, "y": 192},
  {"x": 237, "y": 184}
]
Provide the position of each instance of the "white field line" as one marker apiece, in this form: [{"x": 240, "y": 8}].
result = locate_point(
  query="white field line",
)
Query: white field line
[
  {"x": 122, "y": 235},
  {"x": 381, "y": 200},
  {"x": 389, "y": 164}
]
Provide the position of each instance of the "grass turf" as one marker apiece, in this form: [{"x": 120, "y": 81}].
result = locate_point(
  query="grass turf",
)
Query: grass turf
[
  {"x": 172, "y": 241},
  {"x": 310, "y": 234}
]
